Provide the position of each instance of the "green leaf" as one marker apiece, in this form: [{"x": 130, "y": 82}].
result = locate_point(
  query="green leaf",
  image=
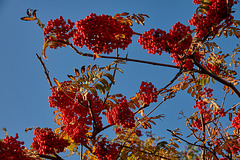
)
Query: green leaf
[{"x": 213, "y": 80}]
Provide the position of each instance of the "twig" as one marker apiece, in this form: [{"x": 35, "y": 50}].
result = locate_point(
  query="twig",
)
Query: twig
[
  {"x": 45, "y": 70},
  {"x": 121, "y": 58},
  {"x": 146, "y": 152},
  {"x": 203, "y": 147},
  {"x": 219, "y": 79}
]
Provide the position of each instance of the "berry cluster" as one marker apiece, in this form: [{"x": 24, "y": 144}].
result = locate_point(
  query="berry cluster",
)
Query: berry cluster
[
  {"x": 175, "y": 42},
  {"x": 213, "y": 68},
  {"x": 236, "y": 121},
  {"x": 149, "y": 93},
  {"x": 59, "y": 30},
  {"x": 154, "y": 41},
  {"x": 207, "y": 25},
  {"x": 12, "y": 149},
  {"x": 102, "y": 34},
  {"x": 46, "y": 142},
  {"x": 121, "y": 115},
  {"x": 221, "y": 112},
  {"x": 197, "y": 124},
  {"x": 106, "y": 150},
  {"x": 201, "y": 105},
  {"x": 75, "y": 110},
  {"x": 208, "y": 92}
]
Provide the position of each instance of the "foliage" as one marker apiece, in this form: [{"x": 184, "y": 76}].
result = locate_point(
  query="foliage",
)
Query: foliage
[{"x": 84, "y": 100}]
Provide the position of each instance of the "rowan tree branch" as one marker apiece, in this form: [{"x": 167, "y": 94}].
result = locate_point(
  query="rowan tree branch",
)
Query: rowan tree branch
[
  {"x": 219, "y": 79},
  {"x": 45, "y": 70},
  {"x": 203, "y": 147}
]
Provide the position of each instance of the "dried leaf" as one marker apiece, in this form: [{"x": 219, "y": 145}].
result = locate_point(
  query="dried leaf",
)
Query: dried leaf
[
  {"x": 28, "y": 18},
  {"x": 56, "y": 81},
  {"x": 110, "y": 77}
]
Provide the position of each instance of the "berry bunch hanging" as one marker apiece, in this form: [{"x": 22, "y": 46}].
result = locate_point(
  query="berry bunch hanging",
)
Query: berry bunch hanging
[
  {"x": 59, "y": 30},
  {"x": 175, "y": 42},
  {"x": 12, "y": 149},
  {"x": 149, "y": 93},
  {"x": 46, "y": 142},
  {"x": 208, "y": 24},
  {"x": 75, "y": 110},
  {"x": 102, "y": 34},
  {"x": 106, "y": 150},
  {"x": 121, "y": 115}
]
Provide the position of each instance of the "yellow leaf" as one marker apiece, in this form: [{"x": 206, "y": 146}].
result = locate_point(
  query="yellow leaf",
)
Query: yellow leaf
[
  {"x": 45, "y": 45},
  {"x": 120, "y": 36},
  {"x": 28, "y": 18},
  {"x": 56, "y": 81}
]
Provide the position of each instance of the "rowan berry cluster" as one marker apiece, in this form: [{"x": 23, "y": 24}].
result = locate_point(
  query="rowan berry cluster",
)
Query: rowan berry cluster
[
  {"x": 12, "y": 149},
  {"x": 236, "y": 121},
  {"x": 208, "y": 25},
  {"x": 59, "y": 30},
  {"x": 154, "y": 41},
  {"x": 46, "y": 142},
  {"x": 102, "y": 34},
  {"x": 75, "y": 110},
  {"x": 201, "y": 105},
  {"x": 220, "y": 112},
  {"x": 175, "y": 42},
  {"x": 106, "y": 150},
  {"x": 213, "y": 68},
  {"x": 208, "y": 92},
  {"x": 121, "y": 115},
  {"x": 149, "y": 93}
]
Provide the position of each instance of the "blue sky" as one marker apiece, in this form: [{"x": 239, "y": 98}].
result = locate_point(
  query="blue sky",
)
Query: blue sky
[{"x": 25, "y": 90}]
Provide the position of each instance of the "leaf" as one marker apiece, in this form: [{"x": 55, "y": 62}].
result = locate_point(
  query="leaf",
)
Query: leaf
[
  {"x": 110, "y": 77},
  {"x": 189, "y": 90},
  {"x": 215, "y": 45},
  {"x": 120, "y": 36},
  {"x": 230, "y": 116},
  {"x": 56, "y": 81},
  {"x": 175, "y": 144},
  {"x": 76, "y": 72},
  {"x": 100, "y": 88},
  {"x": 184, "y": 86},
  {"x": 225, "y": 33},
  {"x": 88, "y": 68},
  {"x": 124, "y": 14},
  {"x": 28, "y": 18},
  {"x": 104, "y": 82},
  {"x": 83, "y": 69},
  {"x": 71, "y": 77},
  {"x": 94, "y": 92},
  {"x": 45, "y": 45},
  {"x": 34, "y": 13},
  {"x": 29, "y": 12},
  {"x": 26, "y": 130}
]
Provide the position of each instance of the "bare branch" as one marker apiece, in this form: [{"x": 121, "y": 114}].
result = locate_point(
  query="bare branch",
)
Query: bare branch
[{"x": 45, "y": 70}]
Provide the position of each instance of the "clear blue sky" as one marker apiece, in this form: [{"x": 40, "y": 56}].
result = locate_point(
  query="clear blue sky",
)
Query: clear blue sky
[{"x": 24, "y": 88}]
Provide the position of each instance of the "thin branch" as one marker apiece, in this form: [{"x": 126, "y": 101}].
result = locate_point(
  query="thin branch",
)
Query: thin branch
[
  {"x": 219, "y": 79},
  {"x": 121, "y": 58},
  {"x": 45, "y": 70},
  {"x": 146, "y": 152},
  {"x": 203, "y": 147}
]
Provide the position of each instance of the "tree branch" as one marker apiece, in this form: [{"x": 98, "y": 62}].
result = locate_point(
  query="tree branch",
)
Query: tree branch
[
  {"x": 203, "y": 147},
  {"x": 45, "y": 70},
  {"x": 219, "y": 79}
]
